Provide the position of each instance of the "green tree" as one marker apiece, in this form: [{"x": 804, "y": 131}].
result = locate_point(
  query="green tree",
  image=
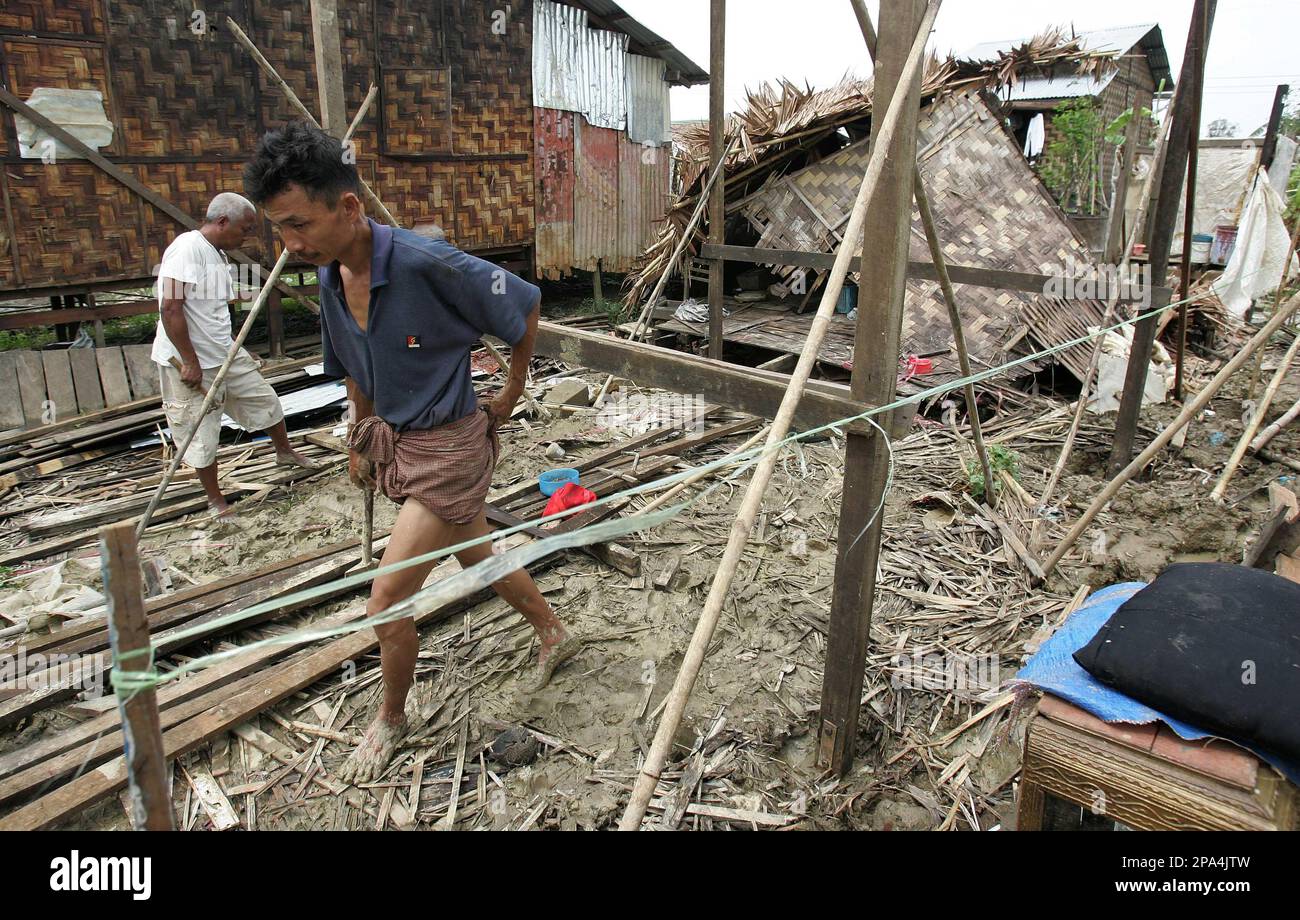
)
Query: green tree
[{"x": 1071, "y": 164}]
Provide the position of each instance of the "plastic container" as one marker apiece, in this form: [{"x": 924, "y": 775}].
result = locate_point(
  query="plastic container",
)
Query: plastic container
[
  {"x": 848, "y": 299},
  {"x": 553, "y": 481},
  {"x": 1201, "y": 243}
]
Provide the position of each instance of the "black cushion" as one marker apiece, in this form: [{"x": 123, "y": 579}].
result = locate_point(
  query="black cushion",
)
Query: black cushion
[{"x": 1214, "y": 645}]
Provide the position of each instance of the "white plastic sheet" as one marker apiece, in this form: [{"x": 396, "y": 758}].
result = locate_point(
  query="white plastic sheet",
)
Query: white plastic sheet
[{"x": 1263, "y": 243}]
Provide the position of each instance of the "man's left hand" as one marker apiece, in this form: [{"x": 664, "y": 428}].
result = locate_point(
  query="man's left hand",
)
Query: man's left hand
[{"x": 503, "y": 406}]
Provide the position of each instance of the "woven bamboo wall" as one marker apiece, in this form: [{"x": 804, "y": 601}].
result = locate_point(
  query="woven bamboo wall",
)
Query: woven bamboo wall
[
  {"x": 451, "y": 138},
  {"x": 990, "y": 211}
]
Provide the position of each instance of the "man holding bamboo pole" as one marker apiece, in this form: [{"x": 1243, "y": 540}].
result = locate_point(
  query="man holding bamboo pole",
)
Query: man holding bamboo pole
[{"x": 400, "y": 314}]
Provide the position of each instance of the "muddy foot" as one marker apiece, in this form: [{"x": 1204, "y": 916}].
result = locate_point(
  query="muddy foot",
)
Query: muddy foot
[
  {"x": 371, "y": 757},
  {"x": 550, "y": 659},
  {"x": 222, "y": 510},
  {"x": 293, "y": 458}
]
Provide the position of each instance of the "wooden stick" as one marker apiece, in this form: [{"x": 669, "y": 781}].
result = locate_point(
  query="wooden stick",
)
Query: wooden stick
[
  {"x": 368, "y": 534},
  {"x": 294, "y": 101},
  {"x": 361, "y": 113},
  {"x": 1068, "y": 447},
  {"x": 128, "y": 631},
  {"x": 212, "y": 392},
  {"x": 1271, "y": 431},
  {"x": 648, "y": 309},
  {"x": 675, "y": 706},
  {"x": 945, "y": 283},
  {"x": 1277, "y": 299},
  {"x": 1249, "y": 434},
  {"x": 1189, "y": 412}
]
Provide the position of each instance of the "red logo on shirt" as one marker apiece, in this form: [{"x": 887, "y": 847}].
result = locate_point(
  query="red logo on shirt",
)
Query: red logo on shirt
[{"x": 412, "y": 341}]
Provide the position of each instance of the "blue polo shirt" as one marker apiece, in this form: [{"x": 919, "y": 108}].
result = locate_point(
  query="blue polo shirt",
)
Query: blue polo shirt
[{"x": 429, "y": 305}]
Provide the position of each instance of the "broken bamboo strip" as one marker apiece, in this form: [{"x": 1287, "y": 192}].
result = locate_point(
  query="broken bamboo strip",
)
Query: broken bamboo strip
[
  {"x": 212, "y": 391},
  {"x": 648, "y": 778},
  {"x": 1257, "y": 419},
  {"x": 1272, "y": 430},
  {"x": 1189, "y": 412},
  {"x": 1277, "y": 301}
]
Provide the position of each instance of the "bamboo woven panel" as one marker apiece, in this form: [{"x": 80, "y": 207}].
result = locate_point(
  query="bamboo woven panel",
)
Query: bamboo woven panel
[
  {"x": 417, "y": 111},
  {"x": 411, "y": 33},
  {"x": 990, "y": 209},
  {"x": 179, "y": 93},
  {"x": 79, "y": 18},
  {"x": 189, "y": 186},
  {"x": 281, "y": 29},
  {"x": 30, "y": 64},
  {"x": 554, "y": 168},
  {"x": 417, "y": 192},
  {"x": 494, "y": 203},
  {"x": 491, "y": 75},
  {"x": 77, "y": 223}
]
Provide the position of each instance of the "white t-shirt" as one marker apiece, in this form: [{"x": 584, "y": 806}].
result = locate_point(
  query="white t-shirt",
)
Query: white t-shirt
[{"x": 209, "y": 288}]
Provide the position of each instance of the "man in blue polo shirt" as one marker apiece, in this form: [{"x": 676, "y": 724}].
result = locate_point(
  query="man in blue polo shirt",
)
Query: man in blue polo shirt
[{"x": 400, "y": 314}]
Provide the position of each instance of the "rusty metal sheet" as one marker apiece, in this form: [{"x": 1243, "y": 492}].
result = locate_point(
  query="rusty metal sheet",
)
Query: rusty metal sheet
[
  {"x": 595, "y": 199},
  {"x": 554, "y": 167}
]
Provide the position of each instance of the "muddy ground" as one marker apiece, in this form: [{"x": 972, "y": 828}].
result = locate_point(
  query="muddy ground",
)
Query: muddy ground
[{"x": 948, "y": 585}]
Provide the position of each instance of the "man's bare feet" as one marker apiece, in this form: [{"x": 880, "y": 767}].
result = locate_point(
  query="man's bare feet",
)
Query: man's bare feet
[
  {"x": 219, "y": 509},
  {"x": 293, "y": 458},
  {"x": 552, "y": 656},
  {"x": 371, "y": 757}
]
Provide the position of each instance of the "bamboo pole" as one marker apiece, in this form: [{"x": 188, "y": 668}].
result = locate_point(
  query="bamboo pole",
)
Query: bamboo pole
[
  {"x": 1271, "y": 431},
  {"x": 675, "y": 704},
  {"x": 945, "y": 283},
  {"x": 296, "y": 103},
  {"x": 1256, "y": 420},
  {"x": 212, "y": 392},
  {"x": 1277, "y": 299},
  {"x": 361, "y": 113},
  {"x": 1189, "y": 412}
]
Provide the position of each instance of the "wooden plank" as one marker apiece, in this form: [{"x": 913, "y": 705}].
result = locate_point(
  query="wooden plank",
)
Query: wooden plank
[
  {"x": 26, "y": 319},
  {"x": 31, "y": 386},
  {"x": 883, "y": 283},
  {"x": 112, "y": 376},
  {"x": 85, "y": 379},
  {"x": 329, "y": 66},
  {"x": 59, "y": 391},
  {"x": 151, "y": 807},
  {"x": 11, "y": 409},
  {"x": 746, "y": 389},
  {"x": 141, "y": 370}
]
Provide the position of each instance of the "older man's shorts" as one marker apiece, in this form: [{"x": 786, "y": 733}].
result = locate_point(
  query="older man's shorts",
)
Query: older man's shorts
[{"x": 244, "y": 395}]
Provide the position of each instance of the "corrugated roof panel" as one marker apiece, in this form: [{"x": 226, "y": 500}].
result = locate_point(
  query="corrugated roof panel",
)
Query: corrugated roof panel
[
  {"x": 577, "y": 68},
  {"x": 648, "y": 108}
]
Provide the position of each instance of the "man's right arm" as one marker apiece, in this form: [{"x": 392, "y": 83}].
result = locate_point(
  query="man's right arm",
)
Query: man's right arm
[
  {"x": 359, "y": 407},
  {"x": 178, "y": 330}
]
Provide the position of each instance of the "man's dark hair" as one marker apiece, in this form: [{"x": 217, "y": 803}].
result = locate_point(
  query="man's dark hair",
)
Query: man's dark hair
[{"x": 305, "y": 156}]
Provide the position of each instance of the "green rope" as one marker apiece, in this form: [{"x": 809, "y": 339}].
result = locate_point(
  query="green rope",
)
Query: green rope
[{"x": 485, "y": 573}]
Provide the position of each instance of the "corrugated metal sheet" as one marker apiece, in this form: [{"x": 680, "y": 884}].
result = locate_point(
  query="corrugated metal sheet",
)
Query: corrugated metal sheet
[
  {"x": 595, "y": 199},
  {"x": 648, "y": 107},
  {"x": 642, "y": 200},
  {"x": 554, "y": 168},
  {"x": 576, "y": 68},
  {"x": 682, "y": 71}
]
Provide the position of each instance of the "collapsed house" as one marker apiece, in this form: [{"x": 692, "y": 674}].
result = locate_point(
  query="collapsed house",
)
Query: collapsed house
[{"x": 795, "y": 173}]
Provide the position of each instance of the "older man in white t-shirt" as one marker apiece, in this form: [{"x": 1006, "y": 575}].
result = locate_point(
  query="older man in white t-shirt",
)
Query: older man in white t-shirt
[{"x": 195, "y": 287}]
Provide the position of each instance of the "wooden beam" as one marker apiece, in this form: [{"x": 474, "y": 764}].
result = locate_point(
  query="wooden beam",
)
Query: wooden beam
[
  {"x": 1189, "y": 207},
  {"x": 867, "y": 458},
  {"x": 718, "y": 197},
  {"x": 329, "y": 67},
  {"x": 151, "y": 807},
  {"x": 1274, "y": 125},
  {"x": 1160, "y": 237},
  {"x": 158, "y": 201},
  {"x": 28, "y": 319},
  {"x": 746, "y": 389},
  {"x": 995, "y": 278}
]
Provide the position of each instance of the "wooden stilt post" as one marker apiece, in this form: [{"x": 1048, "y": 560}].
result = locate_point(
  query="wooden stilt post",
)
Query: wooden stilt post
[
  {"x": 275, "y": 324},
  {"x": 1163, "y": 216},
  {"x": 718, "y": 197},
  {"x": 329, "y": 66},
  {"x": 871, "y": 190},
  {"x": 875, "y": 378},
  {"x": 945, "y": 283},
  {"x": 128, "y": 631},
  {"x": 1189, "y": 215},
  {"x": 1112, "y": 255}
]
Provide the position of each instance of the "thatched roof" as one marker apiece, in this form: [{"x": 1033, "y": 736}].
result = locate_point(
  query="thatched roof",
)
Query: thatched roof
[{"x": 782, "y": 128}]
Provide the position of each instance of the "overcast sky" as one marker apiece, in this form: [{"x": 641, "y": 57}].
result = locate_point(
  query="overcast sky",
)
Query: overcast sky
[{"x": 1252, "y": 48}]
